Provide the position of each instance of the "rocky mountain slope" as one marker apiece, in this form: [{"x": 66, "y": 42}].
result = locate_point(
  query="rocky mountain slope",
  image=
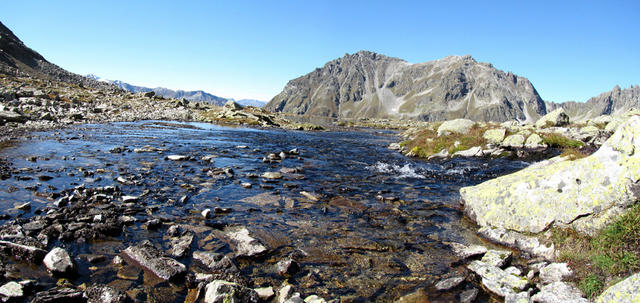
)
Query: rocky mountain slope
[
  {"x": 17, "y": 59},
  {"x": 370, "y": 85},
  {"x": 613, "y": 102}
]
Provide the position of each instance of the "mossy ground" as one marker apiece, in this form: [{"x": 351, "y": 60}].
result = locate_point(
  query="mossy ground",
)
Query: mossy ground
[
  {"x": 604, "y": 259},
  {"x": 426, "y": 142}
]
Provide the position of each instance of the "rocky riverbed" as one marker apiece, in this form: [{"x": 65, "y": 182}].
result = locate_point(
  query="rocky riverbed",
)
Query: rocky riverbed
[{"x": 165, "y": 212}]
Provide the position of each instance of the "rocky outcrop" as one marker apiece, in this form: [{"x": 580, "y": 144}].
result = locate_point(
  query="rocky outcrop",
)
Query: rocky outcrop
[
  {"x": 370, "y": 85},
  {"x": 584, "y": 194},
  {"x": 626, "y": 291}
]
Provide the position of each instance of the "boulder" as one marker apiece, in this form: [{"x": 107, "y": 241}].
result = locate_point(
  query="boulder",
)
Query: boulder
[
  {"x": 11, "y": 291},
  {"x": 494, "y": 136},
  {"x": 215, "y": 261},
  {"x": 555, "y": 272},
  {"x": 497, "y": 258},
  {"x": 585, "y": 194},
  {"x": 457, "y": 126},
  {"x": 625, "y": 291},
  {"x": 58, "y": 262},
  {"x": 104, "y": 294},
  {"x": 232, "y": 105},
  {"x": 471, "y": 152},
  {"x": 557, "y": 117},
  {"x": 521, "y": 297},
  {"x": 151, "y": 258},
  {"x": 534, "y": 141},
  {"x": 528, "y": 244},
  {"x": 513, "y": 141},
  {"x": 559, "y": 292},
  {"x": 466, "y": 251},
  {"x": 59, "y": 294},
  {"x": 24, "y": 252},
  {"x": 220, "y": 291},
  {"x": 12, "y": 117}
]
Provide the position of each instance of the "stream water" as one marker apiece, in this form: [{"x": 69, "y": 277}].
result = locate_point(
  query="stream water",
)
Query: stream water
[{"x": 376, "y": 232}]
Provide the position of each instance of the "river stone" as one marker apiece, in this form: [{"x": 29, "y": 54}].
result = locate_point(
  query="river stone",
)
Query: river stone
[
  {"x": 557, "y": 292},
  {"x": 104, "y": 294},
  {"x": 494, "y": 136},
  {"x": 468, "y": 295},
  {"x": 180, "y": 245},
  {"x": 11, "y": 291},
  {"x": 272, "y": 175},
  {"x": 496, "y": 279},
  {"x": 265, "y": 293},
  {"x": 625, "y": 291},
  {"x": 471, "y": 152},
  {"x": 514, "y": 141},
  {"x": 517, "y": 240},
  {"x": 557, "y": 117},
  {"x": 521, "y": 297},
  {"x": 177, "y": 157},
  {"x": 24, "y": 252},
  {"x": 314, "y": 299},
  {"x": 449, "y": 283},
  {"x": 244, "y": 244},
  {"x": 497, "y": 258},
  {"x": 534, "y": 141},
  {"x": 59, "y": 294},
  {"x": 215, "y": 261},
  {"x": 458, "y": 126},
  {"x": 58, "y": 262},
  {"x": 220, "y": 291},
  {"x": 12, "y": 117},
  {"x": 555, "y": 272},
  {"x": 584, "y": 194},
  {"x": 151, "y": 258},
  {"x": 466, "y": 251}
]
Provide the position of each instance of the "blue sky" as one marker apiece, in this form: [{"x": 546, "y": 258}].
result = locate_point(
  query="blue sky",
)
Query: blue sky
[{"x": 250, "y": 49}]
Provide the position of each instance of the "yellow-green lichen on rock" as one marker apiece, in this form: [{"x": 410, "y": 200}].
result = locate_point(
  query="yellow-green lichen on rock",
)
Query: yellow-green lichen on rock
[
  {"x": 626, "y": 291},
  {"x": 584, "y": 194}
]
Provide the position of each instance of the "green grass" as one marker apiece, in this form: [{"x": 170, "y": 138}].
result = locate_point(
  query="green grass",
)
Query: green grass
[
  {"x": 612, "y": 254},
  {"x": 560, "y": 141}
]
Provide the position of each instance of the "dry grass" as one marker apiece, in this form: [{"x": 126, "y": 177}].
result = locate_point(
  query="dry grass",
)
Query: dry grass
[{"x": 426, "y": 142}]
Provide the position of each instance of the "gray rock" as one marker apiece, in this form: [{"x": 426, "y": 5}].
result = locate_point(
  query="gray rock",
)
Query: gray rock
[
  {"x": 514, "y": 271},
  {"x": 468, "y": 295},
  {"x": 521, "y": 297},
  {"x": 180, "y": 246},
  {"x": 59, "y": 294},
  {"x": 12, "y": 117},
  {"x": 534, "y": 141},
  {"x": 104, "y": 294},
  {"x": 558, "y": 117},
  {"x": 496, "y": 279},
  {"x": 215, "y": 261},
  {"x": 497, "y": 258},
  {"x": 228, "y": 292},
  {"x": 177, "y": 158},
  {"x": 449, "y": 283},
  {"x": 559, "y": 292},
  {"x": 625, "y": 291},
  {"x": 466, "y": 251},
  {"x": 265, "y": 293},
  {"x": 513, "y": 141},
  {"x": 471, "y": 152},
  {"x": 58, "y": 262},
  {"x": 272, "y": 175},
  {"x": 244, "y": 244},
  {"x": 584, "y": 194},
  {"x": 513, "y": 239},
  {"x": 457, "y": 126},
  {"x": 12, "y": 291},
  {"x": 555, "y": 272},
  {"x": 150, "y": 258},
  {"x": 494, "y": 136}
]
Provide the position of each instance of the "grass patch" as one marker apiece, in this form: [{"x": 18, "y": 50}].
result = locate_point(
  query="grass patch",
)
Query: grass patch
[
  {"x": 426, "y": 141},
  {"x": 573, "y": 153},
  {"x": 560, "y": 141},
  {"x": 612, "y": 254}
]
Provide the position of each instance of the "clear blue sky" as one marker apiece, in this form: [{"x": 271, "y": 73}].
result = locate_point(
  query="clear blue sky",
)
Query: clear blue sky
[{"x": 250, "y": 49}]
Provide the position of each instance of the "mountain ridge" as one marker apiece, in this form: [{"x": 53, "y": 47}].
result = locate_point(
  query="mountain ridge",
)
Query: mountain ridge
[{"x": 371, "y": 85}]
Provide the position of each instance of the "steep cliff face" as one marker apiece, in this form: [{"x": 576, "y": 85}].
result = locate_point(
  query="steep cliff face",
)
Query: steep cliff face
[
  {"x": 613, "y": 102},
  {"x": 369, "y": 85}
]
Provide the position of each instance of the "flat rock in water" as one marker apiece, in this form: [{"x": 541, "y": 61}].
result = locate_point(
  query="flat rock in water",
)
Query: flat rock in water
[
  {"x": 449, "y": 283},
  {"x": 104, "y": 294},
  {"x": 24, "y": 252},
  {"x": 559, "y": 292},
  {"x": 150, "y": 258},
  {"x": 177, "y": 158},
  {"x": 59, "y": 294},
  {"x": 466, "y": 251},
  {"x": 496, "y": 279},
  {"x": 180, "y": 246},
  {"x": 11, "y": 291},
  {"x": 272, "y": 175},
  {"x": 244, "y": 244},
  {"x": 215, "y": 261},
  {"x": 625, "y": 291}
]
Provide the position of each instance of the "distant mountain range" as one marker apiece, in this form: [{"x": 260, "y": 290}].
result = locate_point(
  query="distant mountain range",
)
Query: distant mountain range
[
  {"x": 370, "y": 85},
  {"x": 195, "y": 95}
]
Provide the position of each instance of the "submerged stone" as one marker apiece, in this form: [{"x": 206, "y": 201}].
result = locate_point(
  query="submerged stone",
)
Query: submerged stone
[{"x": 150, "y": 258}]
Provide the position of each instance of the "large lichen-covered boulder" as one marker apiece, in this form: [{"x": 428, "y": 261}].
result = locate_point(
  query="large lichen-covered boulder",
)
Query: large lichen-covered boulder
[
  {"x": 626, "y": 291},
  {"x": 495, "y": 135},
  {"x": 584, "y": 194},
  {"x": 557, "y": 117},
  {"x": 458, "y": 126}
]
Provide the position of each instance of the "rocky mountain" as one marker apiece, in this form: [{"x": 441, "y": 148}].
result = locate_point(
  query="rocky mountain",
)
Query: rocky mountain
[
  {"x": 17, "y": 59},
  {"x": 370, "y": 85},
  {"x": 250, "y": 102},
  {"x": 197, "y": 95},
  {"x": 612, "y": 102}
]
